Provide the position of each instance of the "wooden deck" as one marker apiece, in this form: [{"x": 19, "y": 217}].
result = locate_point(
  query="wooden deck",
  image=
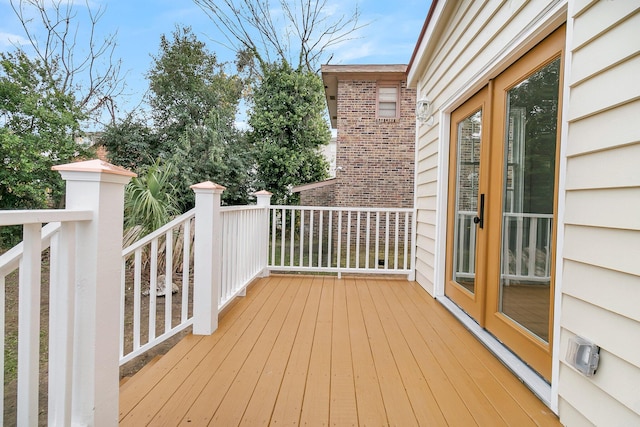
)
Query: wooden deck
[{"x": 323, "y": 351}]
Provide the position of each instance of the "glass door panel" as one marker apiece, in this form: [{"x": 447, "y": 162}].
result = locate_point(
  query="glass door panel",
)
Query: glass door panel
[
  {"x": 528, "y": 199},
  {"x": 466, "y": 201},
  {"x": 465, "y": 235}
]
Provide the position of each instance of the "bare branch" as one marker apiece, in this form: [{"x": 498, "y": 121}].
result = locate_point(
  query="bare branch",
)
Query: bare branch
[
  {"x": 301, "y": 29},
  {"x": 91, "y": 73}
]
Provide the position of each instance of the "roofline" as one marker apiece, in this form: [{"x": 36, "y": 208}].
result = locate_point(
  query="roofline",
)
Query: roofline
[
  {"x": 363, "y": 68},
  {"x": 427, "y": 21},
  {"x": 312, "y": 185}
]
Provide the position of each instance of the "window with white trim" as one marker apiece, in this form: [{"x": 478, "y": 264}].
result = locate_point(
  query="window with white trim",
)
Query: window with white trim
[{"x": 388, "y": 101}]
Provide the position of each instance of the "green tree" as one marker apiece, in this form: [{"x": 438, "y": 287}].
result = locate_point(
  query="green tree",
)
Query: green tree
[
  {"x": 187, "y": 82},
  {"x": 71, "y": 54},
  {"x": 193, "y": 104},
  {"x": 131, "y": 143},
  {"x": 287, "y": 129},
  {"x": 538, "y": 98},
  {"x": 39, "y": 121},
  {"x": 149, "y": 201},
  {"x": 213, "y": 152}
]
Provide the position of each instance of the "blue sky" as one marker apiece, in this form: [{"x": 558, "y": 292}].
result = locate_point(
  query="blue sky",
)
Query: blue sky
[{"x": 389, "y": 38}]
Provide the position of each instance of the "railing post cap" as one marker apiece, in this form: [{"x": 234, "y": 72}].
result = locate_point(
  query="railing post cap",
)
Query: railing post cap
[
  {"x": 95, "y": 165},
  {"x": 208, "y": 186},
  {"x": 262, "y": 193}
]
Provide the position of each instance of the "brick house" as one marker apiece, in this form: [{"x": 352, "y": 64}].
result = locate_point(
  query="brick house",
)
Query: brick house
[{"x": 373, "y": 112}]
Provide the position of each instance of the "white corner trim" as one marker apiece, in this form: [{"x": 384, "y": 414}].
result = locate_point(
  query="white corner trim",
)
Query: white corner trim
[
  {"x": 442, "y": 192},
  {"x": 562, "y": 187}
]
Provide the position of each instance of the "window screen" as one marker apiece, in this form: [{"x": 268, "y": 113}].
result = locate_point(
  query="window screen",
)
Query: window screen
[{"x": 387, "y": 101}]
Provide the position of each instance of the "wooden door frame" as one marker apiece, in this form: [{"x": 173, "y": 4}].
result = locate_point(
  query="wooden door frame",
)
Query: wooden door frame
[
  {"x": 472, "y": 304},
  {"x": 483, "y": 305},
  {"x": 539, "y": 354}
]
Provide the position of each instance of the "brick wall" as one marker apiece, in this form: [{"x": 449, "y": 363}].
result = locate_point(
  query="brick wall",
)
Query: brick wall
[
  {"x": 319, "y": 196},
  {"x": 376, "y": 156}
]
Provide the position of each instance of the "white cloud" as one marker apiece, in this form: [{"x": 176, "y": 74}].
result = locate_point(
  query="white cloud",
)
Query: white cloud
[
  {"x": 388, "y": 37},
  {"x": 353, "y": 50},
  {"x": 9, "y": 40}
]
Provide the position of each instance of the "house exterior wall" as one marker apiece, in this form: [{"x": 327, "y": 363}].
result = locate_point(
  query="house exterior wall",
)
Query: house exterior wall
[
  {"x": 598, "y": 281},
  {"x": 601, "y": 257},
  {"x": 319, "y": 196},
  {"x": 375, "y": 157},
  {"x": 451, "y": 71}
]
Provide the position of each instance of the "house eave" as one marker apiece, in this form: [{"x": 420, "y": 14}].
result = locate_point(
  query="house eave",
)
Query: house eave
[
  {"x": 331, "y": 74},
  {"x": 312, "y": 185},
  {"x": 419, "y": 57}
]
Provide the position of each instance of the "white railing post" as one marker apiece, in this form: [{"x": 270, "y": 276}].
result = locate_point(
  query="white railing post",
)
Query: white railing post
[
  {"x": 412, "y": 264},
  {"x": 97, "y": 186},
  {"x": 29, "y": 322},
  {"x": 207, "y": 257},
  {"x": 263, "y": 198}
]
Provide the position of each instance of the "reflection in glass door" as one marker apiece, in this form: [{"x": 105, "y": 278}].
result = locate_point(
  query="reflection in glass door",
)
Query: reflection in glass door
[
  {"x": 528, "y": 199},
  {"x": 501, "y": 203},
  {"x": 467, "y": 175},
  {"x": 465, "y": 225},
  {"x": 522, "y": 203}
]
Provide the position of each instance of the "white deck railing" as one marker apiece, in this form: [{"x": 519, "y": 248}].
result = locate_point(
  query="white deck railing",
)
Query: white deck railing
[
  {"x": 341, "y": 240},
  {"x": 26, "y": 258},
  {"x": 527, "y": 247},
  {"x": 82, "y": 239},
  {"x": 243, "y": 250},
  {"x": 104, "y": 308},
  {"x": 167, "y": 252},
  {"x": 526, "y": 252}
]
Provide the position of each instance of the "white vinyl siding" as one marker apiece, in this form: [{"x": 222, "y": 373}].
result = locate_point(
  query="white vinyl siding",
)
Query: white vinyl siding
[
  {"x": 572, "y": 417},
  {"x": 595, "y": 133},
  {"x": 608, "y": 207},
  {"x": 472, "y": 34},
  {"x": 468, "y": 44},
  {"x": 583, "y": 396},
  {"x": 585, "y": 282},
  {"x": 601, "y": 276}
]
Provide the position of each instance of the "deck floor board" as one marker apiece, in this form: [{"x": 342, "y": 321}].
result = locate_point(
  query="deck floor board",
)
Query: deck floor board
[
  {"x": 301, "y": 350},
  {"x": 472, "y": 353}
]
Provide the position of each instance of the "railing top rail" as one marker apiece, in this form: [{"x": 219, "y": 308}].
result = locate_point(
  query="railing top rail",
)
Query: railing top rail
[
  {"x": 342, "y": 208},
  {"x": 159, "y": 232},
  {"x": 512, "y": 214},
  {"x": 241, "y": 208},
  {"x": 527, "y": 215},
  {"x": 41, "y": 216},
  {"x": 10, "y": 259}
]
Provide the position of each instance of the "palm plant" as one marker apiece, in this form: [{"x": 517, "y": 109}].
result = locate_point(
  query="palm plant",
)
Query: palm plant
[{"x": 149, "y": 201}]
